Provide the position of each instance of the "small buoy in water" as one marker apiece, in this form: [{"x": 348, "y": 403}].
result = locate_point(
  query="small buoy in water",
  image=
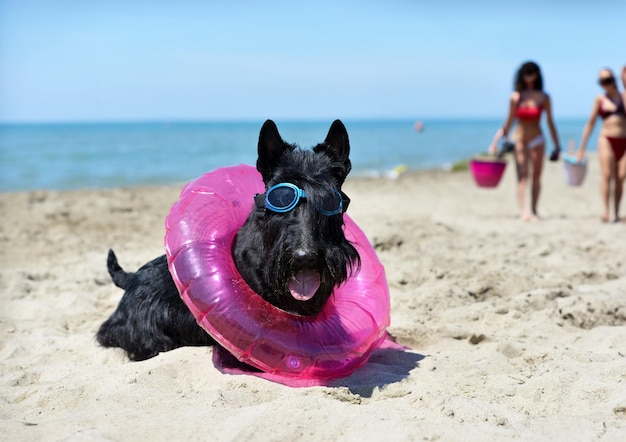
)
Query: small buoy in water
[{"x": 418, "y": 126}]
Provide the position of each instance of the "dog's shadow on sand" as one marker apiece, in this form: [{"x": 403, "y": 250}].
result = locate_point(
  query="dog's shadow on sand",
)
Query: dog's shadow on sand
[{"x": 385, "y": 366}]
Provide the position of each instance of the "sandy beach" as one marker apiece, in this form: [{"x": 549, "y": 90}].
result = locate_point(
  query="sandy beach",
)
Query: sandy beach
[{"x": 517, "y": 329}]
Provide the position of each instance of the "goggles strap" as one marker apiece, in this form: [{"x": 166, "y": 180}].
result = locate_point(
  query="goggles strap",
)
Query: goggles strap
[{"x": 259, "y": 203}]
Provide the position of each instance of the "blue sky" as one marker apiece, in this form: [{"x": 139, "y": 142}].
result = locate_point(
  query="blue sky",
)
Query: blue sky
[{"x": 208, "y": 60}]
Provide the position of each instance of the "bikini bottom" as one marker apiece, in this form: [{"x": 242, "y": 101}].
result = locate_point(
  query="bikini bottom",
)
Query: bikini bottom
[
  {"x": 537, "y": 141},
  {"x": 618, "y": 146}
]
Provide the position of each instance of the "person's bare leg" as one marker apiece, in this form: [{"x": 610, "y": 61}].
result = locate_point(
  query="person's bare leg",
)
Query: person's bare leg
[
  {"x": 605, "y": 155},
  {"x": 521, "y": 163},
  {"x": 620, "y": 175},
  {"x": 536, "y": 158}
]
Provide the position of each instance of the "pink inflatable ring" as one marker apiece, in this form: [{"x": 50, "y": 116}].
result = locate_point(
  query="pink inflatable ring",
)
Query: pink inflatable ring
[{"x": 200, "y": 230}]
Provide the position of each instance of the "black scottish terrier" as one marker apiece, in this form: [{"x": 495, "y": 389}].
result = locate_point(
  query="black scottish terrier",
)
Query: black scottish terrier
[{"x": 291, "y": 250}]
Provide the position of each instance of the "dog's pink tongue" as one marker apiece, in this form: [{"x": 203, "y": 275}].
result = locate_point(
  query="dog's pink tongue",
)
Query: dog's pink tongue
[{"x": 304, "y": 284}]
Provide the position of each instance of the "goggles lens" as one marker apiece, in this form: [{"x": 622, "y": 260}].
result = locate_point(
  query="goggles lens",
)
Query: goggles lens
[{"x": 284, "y": 197}]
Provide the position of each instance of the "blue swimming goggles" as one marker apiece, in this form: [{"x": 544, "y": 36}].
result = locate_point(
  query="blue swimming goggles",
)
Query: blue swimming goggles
[{"x": 284, "y": 197}]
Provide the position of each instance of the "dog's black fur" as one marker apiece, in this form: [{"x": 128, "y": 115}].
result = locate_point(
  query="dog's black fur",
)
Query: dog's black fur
[{"x": 269, "y": 249}]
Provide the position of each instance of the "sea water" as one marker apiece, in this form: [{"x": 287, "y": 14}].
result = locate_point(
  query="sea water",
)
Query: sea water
[{"x": 101, "y": 155}]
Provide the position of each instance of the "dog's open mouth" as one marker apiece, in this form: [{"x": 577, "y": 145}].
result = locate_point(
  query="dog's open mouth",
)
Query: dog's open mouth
[{"x": 304, "y": 284}]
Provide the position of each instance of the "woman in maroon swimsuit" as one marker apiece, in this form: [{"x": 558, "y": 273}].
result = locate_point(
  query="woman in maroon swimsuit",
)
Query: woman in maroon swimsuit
[
  {"x": 526, "y": 104},
  {"x": 612, "y": 140}
]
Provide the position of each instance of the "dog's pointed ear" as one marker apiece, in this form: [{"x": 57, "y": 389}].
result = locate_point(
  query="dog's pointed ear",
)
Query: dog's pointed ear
[
  {"x": 271, "y": 148},
  {"x": 337, "y": 146}
]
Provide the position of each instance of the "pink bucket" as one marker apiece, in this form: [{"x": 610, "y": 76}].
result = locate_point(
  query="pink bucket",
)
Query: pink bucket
[{"x": 487, "y": 173}]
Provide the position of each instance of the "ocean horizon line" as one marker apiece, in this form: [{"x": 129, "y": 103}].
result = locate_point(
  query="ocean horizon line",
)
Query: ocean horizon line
[{"x": 287, "y": 120}]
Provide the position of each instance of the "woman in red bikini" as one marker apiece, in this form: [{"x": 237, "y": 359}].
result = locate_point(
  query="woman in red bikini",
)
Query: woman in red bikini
[
  {"x": 527, "y": 102},
  {"x": 612, "y": 140}
]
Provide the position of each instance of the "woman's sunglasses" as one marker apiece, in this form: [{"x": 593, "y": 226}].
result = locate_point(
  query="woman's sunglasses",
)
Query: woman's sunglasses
[
  {"x": 284, "y": 197},
  {"x": 606, "y": 81}
]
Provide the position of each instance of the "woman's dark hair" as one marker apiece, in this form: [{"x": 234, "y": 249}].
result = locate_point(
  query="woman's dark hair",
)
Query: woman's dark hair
[{"x": 530, "y": 67}]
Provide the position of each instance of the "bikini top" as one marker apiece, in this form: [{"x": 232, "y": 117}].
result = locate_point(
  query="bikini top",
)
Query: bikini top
[
  {"x": 532, "y": 112},
  {"x": 528, "y": 112},
  {"x": 619, "y": 109}
]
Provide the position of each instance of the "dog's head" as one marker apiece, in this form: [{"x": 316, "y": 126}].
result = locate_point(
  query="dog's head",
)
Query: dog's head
[{"x": 305, "y": 253}]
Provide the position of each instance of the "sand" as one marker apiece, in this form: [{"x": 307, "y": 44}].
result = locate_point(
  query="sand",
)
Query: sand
[{"x": 517, "y": 329}]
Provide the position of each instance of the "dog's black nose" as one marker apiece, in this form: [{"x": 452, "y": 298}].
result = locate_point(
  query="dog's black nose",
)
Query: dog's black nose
[{"x": 304, "y": 258}]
